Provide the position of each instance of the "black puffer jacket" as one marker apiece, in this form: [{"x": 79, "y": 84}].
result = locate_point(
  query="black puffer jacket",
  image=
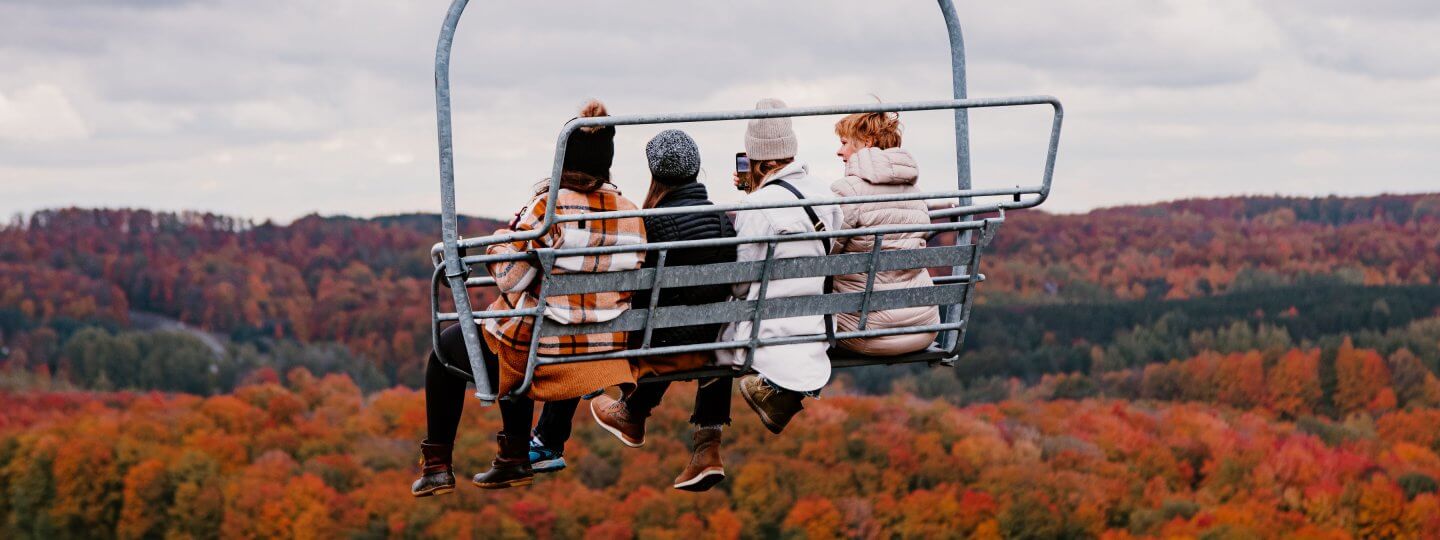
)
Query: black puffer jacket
[{"x": 686, "y": 227}]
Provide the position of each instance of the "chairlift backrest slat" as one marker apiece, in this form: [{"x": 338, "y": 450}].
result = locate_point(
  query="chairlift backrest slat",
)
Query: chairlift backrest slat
[
  {"x": 749, "y": 271},
  {"x": 771, "y": 308}
]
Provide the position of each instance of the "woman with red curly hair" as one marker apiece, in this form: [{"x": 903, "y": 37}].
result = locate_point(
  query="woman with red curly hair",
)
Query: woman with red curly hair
[{"x": 876, "y": 165}]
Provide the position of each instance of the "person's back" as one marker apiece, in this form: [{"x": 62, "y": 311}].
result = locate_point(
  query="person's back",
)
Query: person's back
[
  {"x": 583, "y": 188},
  {"x": 802, "y": 367},
  {"x": 873, "y": 171},
  {"x": 572, "y": 308},
  {"x": 787, "y": 373},
  {"x": 675, "y": 228},
  {"x": 876, "y": 165},
  {"x": 674, "y": 161}
]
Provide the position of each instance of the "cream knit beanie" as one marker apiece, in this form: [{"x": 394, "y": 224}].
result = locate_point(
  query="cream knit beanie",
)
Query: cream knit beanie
[{"x": 770, "y": 138}]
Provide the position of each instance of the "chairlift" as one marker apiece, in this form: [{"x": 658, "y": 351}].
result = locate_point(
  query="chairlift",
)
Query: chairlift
[{"x": 973, "y": 216}]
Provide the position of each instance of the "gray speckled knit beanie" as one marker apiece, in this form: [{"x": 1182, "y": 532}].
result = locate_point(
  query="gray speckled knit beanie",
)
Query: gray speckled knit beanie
[
  {"x": 674, "y": 158},
  {"x": 770, "y": 138}
]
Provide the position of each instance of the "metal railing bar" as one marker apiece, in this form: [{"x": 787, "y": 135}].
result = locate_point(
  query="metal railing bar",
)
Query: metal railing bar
[
  {"x": 481, "y": 315},
  {"x": 748, "y": 271},
  {"x": 928, "y": 355},
  {"x": 773, "y": 308},
  {"x": 792, "y": 112},
  {"x": 735, "y": 241},
  {"x": 480, "y": 241},
  {"x": 476, "y": 242},
  {"x": 741, "y": 344},
  {"x": 496, "y": 314},
  {"x": 810, "y": 202}
]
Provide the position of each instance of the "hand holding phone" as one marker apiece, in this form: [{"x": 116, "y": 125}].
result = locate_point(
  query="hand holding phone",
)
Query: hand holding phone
[{"x": 742, "y": 171}]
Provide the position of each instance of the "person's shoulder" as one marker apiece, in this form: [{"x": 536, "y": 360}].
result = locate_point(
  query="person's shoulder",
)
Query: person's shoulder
[
  {"x": 847, "y": 185},
  {"x": 766, "y": 193},
  {"x": 623, "y": 203}
]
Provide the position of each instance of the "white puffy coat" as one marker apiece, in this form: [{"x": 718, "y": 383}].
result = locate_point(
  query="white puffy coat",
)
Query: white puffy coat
[
  {"x": 801, "y": 367},
  {"x": 872, "y": 171}
]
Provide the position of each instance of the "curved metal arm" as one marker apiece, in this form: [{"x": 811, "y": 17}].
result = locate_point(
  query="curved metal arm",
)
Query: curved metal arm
[{"x": 455, "y": 270}]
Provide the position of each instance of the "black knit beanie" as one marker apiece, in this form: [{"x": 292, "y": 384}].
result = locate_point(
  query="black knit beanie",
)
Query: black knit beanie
[{"x": 591, "y": 153}]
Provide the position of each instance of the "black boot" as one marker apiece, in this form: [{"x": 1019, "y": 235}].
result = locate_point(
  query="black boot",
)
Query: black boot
[
  {"x": 437, "y": 477},
  {"x": 511, "y": 467}
]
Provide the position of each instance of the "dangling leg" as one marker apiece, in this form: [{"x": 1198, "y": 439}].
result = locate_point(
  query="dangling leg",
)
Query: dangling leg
[
  {"x": 711, "y": 415},
  {"x": 444, "y": 402},
  {"x": 626, "y": 419},
  {"x": 547, "y": 446},
  {"x": 511, "y": 467}
]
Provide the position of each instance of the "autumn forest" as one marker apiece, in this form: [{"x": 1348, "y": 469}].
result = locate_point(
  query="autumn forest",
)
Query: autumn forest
[{"x": 1227, "y": 368}]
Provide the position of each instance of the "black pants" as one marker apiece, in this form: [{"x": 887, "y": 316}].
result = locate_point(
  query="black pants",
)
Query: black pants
[
  {"x": 712, "y": 408},
  {"x": 712, "y": 401},
  {"x": 445, "y": 398}
]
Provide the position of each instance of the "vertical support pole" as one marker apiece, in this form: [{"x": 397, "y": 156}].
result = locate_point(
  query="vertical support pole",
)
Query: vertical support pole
[
  {"x": 987, "y": 233},
  {"x": 455, "y": 270},
  {"x": 950, "y": 340},
  {"x": 654, "y": 297},
  {"x": 757, "y": 318},
  {"x": 546, "y": 258},
  {"x": 870, "y": 282}
]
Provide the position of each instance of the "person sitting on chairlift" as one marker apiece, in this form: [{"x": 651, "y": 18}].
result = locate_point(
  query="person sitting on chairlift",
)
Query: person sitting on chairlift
[
  {"x": 876, "y": 165},
  {"x": 674, "y": 161},
  {"x": 584, "y": 188},
  {"x": 787, "y": 373}
]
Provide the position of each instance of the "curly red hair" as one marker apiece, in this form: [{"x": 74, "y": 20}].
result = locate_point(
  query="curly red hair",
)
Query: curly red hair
[{"x": 880, "y": 130}]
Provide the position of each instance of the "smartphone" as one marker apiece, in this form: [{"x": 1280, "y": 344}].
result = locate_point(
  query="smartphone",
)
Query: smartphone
[{"x": 742, "y": 168}]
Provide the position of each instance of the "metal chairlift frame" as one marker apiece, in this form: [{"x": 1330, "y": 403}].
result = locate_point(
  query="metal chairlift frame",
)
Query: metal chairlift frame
[{"x": 952, "y": 293}]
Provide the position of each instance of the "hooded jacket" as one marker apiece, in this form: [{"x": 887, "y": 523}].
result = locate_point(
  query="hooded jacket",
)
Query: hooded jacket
[
  {"x": 873, "y": 171},
  {"x": 801, "y": 367}
]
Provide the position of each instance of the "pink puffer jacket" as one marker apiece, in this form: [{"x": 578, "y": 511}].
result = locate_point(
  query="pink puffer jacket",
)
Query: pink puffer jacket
[{"x": 873, "y": 171}]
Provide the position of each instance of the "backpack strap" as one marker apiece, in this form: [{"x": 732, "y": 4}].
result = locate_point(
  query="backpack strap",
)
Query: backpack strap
[
  {"x": 815, "y": 221},
  {"x": 819, "y": 226}
]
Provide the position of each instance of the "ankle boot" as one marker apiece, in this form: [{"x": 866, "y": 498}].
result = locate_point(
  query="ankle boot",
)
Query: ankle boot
[
  {"x": 705, "y": 468},
  {"x": 437, "y": 476},
  {"x": 775, "y": 405},
  {"x": 614, "y": 417},
  {"x": 511, "y": 467}
]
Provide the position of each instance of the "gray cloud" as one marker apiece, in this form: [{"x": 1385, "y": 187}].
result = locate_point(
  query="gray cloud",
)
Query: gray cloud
[{"x": 273, "y": 108}]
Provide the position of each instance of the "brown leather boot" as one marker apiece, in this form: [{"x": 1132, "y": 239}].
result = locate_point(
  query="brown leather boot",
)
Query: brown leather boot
[
  {"x": 511, "y": 467},
  {"x": 705, "y": 468},
  {"x": 775, "y": 406},
  {"x": 612, "y": 415},
  {"x": 437, "y": 476}
]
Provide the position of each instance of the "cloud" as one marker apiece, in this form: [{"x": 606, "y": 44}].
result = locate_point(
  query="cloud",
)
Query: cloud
[
  {"x": 39, "y": 114},
  {"x": 277, "y": 108},
  {"x": 1389, "y": 39}
]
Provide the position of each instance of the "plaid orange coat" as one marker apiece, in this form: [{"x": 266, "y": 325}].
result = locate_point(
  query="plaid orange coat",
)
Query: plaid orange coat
[{"x": 518, "y": 284}]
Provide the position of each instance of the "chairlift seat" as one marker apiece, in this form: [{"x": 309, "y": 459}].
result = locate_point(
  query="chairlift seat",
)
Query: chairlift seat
[{"x": 953, "y": 294}]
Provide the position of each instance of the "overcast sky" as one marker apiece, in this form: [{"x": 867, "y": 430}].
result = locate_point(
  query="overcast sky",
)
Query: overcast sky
[{"x": 280, "y": 108}]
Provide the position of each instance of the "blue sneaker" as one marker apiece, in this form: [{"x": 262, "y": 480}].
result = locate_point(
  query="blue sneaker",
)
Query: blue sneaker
[{"x": 544, "y": 460}]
